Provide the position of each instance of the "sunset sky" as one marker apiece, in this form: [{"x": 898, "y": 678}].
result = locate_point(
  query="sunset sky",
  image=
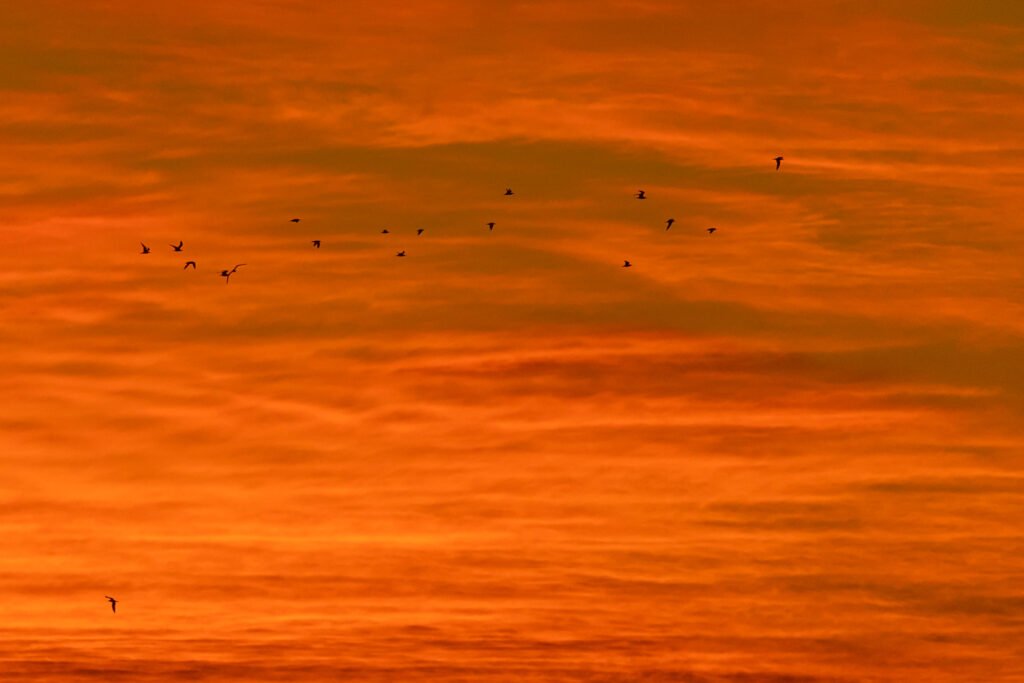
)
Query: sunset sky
[{"x": 790, "y": 451}]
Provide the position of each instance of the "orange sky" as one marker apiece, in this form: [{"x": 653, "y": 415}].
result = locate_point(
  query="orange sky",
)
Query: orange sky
[{"x": 788, "y": 452}]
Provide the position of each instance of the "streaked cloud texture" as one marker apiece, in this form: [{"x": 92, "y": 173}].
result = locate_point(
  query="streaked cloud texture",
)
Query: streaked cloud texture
[{"x": 788, "y": 452}]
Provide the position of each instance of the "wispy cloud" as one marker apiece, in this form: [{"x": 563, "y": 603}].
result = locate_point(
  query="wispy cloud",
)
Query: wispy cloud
[{"x": 785, "y": 452}]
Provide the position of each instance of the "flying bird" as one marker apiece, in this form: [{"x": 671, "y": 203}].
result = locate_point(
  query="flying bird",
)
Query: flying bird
[
  {"x": 778, "y": 162},
  {"x": 145, "y": 249},
  {"x": 401, "y": 253},
  {"x": 189, "y": 263},
  {"x": 316, "y": 243},
  {"x": 711, "y": 231},
  {"x": 640, "y": 194},
  {"x": 419, "y": 232},
  {"x": 669, "y": 222},
  {"x": 113, "y": 603},
  {"x": 490, "y": 226},
  {"x": 226, "y": 274},
  {"x": 178, "y": 246},
  {"x": 295, "y": 220},
  {"x": 627, "y": 264},
  {"x": 385, "y": 231},
  {"x": 509, "y": 192}
]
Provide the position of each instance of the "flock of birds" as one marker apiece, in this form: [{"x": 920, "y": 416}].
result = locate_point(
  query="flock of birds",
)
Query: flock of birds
[{"x": 227, "y": 273}]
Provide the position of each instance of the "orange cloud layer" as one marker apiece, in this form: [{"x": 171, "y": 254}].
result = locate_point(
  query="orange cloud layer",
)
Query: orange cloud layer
[{"x": 789, "y": 451}]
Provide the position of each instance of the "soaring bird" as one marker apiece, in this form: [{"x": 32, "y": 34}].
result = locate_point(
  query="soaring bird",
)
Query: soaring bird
[
  {"x": 189, "y": 263},
  {"x": 669, "y": 222},
  {"x": 640, "y": 194},
  {"x": 226, "y": 274},
  {"x": 490, "y": 226},
  {"x": 295, "y": 220},
  {"x": 778, "y": 162},
  {"x": 627, "y": 264},
  {"x": 316, "y": 243},
  {"x": 178, "y": 246},
  {"x": 401, "y": 253},
  {"x": 711, "y": 231},
  {"x": 113, "y": 603},
  {"x": 385, "y": 231},
  {"x": 145, "y": 249},
  {"x": 509, "y": 192},
  {"x": 419, "y": 232}
]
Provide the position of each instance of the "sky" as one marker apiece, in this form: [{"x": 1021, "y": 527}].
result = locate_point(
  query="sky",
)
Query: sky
[{"x": 786, "y": 452}]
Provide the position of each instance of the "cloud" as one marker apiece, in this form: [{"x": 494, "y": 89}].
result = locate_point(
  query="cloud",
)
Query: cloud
[{"x": 788, "y": 451}]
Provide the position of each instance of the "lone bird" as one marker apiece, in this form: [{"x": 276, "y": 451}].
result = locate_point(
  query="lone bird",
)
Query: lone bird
[
  {"x": 669, "y": 222},
  {"x": 113, "y": 603},
  {"x": 385, "y": 231},
  {"x": 316, "y": 243},
  {"x": 778, "y": 162},
  {"x": 640, "y": 194},
  {"x": 711, "y": 231},
  {"x": 178, "y": 246},
  {"x": 419, "y": 232},
  {"x": 627, "y": 264},
  {"x": 295, "y": 220},
  {"x": 226, "y": 274},
  {"x": 490, "y": 226},
  {"x": 401, "y": 253},
  {"x": 145, "y": 249},
  {"x": 509, "y": 192},
  {"x": 189, "y": 263}
]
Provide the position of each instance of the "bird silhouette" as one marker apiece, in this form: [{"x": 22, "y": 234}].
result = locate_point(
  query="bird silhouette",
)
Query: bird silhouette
[
  {"x": 627, "y": 264},
  {"x": 295, "y": 220},
  {"x": 178, "y": 246},
  {"x": 490, "y": 226},
  {"x": 401, "y": 253},
  {"x": 778, "y": 162},
  {"x": 711, "y": 231},
  {"x": 113, "y": 603},
  {"x": 189, "y": 263},
  {"x": 145, "y": 249},
  {"x": 226, "y": 274},
  {"x": 419, "y": 232},
  {"x": 316, "y": 243},
  {"x": 640, "y": 194},
  {"x": 385, "y": 231},
  {"x": 669, "y": 222},
  {"x": 509, "y": 192}
]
